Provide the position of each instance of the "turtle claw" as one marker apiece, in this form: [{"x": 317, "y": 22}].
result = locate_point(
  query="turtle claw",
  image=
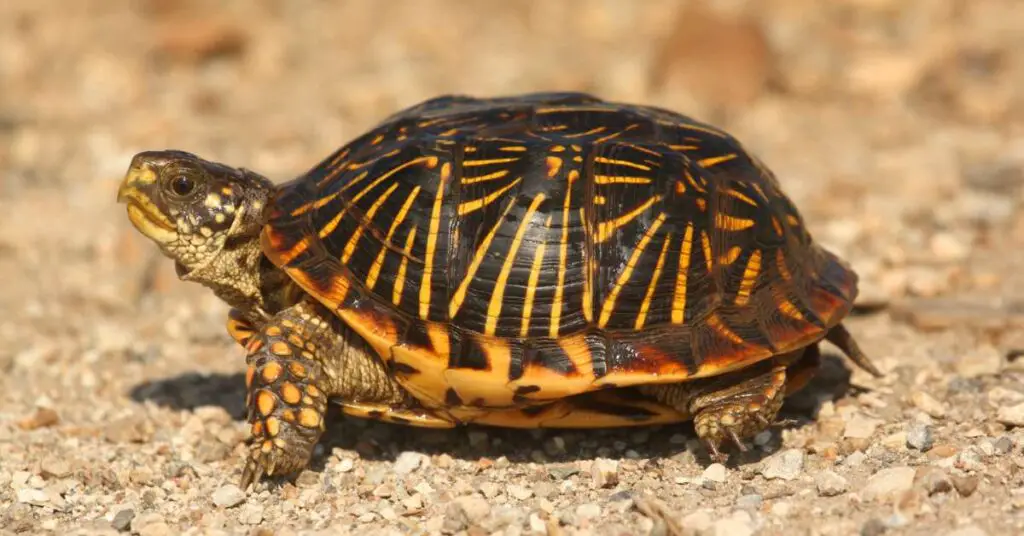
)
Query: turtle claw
[{"x": 736, "y": 440}]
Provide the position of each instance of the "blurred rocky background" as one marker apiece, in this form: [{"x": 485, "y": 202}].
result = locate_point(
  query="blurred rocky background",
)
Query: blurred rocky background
[{"x": 896, "y": 126}]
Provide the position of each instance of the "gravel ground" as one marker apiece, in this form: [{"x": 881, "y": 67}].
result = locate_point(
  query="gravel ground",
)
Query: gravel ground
[{"x": 896, "y": 125}]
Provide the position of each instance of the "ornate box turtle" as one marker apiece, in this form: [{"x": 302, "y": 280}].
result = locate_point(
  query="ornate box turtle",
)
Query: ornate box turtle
[{"x": 542, "y": 260}]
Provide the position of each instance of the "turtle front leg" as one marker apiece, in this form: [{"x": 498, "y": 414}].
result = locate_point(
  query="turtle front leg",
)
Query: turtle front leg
[
  {"x": 287, "y": 390},
  {"x": 730, "y": 408}
]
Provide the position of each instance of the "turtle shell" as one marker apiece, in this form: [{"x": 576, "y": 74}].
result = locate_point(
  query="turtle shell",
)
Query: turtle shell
[{"x": 519, "y": 250}]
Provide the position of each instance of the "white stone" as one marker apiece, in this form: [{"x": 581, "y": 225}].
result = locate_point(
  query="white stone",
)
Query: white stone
[
  {"x": 407, "y": 462},
  {"x": 715, "y": 472},
  {"x": 888, "y": 484},
  {"x": 228, "y": 495},
  {"x": 785, "y": 465}
]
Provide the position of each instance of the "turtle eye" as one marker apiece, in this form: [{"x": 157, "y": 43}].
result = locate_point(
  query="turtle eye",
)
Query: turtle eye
[{"x": 182, "y": 185}]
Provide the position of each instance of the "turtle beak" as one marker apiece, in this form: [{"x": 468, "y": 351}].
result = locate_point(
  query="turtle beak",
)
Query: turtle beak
[{"x": 138, "y": 190}]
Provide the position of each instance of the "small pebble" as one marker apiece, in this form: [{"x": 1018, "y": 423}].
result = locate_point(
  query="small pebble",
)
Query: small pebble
[
  {"x": 750, "y": 502},
  {"x": 473, "y": 508},
  {"x": 588, "y": 511},
  {"x": 1011, "y": 415},
  {"x": 831, "y": 483},
  {"x": 55, "y": 467},
  {"x": 919, "y": 436},
  {"x": 519, "y": 492},
  {"x": 860, "y": 427},
  {"x": 1003, "y": 446},
  {"x": 965, "y": 485},
  {"x": 934, "y": 480},
  {"x": 715, "y": 472},
  {"x": 561, "y": 472},
  {"x": 228, "y": 495},
  {"x": 252, "y": 514},
  {"x": 873, "y": 527},
  {"x": 605, "y": 472},
  {"x": 35, "y": 497},
  {"x": 345, "y": 465},
  {"x": 407, "y": 462},
  {"x": 123, "y": 520},
  {"x": 928, "y": 404},
  {"x": 888, "y": 484},
  {"x": 739, "y": 523},
  {"x": 785, "y": 465}
]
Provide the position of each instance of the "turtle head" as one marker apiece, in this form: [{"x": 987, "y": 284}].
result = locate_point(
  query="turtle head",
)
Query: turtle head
[{"x": 190, "y": 207}]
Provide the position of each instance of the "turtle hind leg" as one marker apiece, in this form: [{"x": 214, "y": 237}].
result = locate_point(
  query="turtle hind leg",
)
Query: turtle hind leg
[{"x": 731, "y": 408}]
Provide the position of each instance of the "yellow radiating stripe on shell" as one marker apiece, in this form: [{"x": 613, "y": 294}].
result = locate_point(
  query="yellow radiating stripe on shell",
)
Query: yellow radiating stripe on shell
[
  {"x": 706, "y": 130},
  {"x": 705, "y": 243},
  {"x": 645, "y": 305},
  {"x": 780, "y": 259},
  {"x": 396, "y": 292},
  {"x": 682, "y": 275},
  {"x": 488, "y": 162},
  {"x": 626, "y": 163},
  {"x": 494, "y": 307},
  {"x": 620, "y": 179},
  {"x": 435, "y": 225},
  {"x": 477, "y": 204},
  {"x": 474, "y": 265},
  {"x": 606, "y": 228},
  {"x": 588, "y": 273},
  {"x": 627, "y": 271},
  {"x": 741, "y": 196},
  {"x": 732, "y": 223},
  {"x": 484, "y": 178},
  {"x": 531, "y": 288},
  {"x": 327, "y": 229},
  {"x": 715, "y": 160},
  {"x": 350, "y": 246},
  {"x": 749, "y": 278},
  {"x": 563, "y": 250}
]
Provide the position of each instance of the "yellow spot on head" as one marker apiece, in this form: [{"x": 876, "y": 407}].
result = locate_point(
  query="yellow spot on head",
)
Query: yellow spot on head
[{"x": 212, "y": 200}]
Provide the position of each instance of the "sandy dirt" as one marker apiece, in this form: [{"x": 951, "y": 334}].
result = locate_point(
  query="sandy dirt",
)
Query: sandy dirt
[{"x": 897, "y": 126}]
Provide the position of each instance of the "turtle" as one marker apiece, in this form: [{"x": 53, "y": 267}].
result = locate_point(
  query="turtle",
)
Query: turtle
[{"x": 548, "y": 259}]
